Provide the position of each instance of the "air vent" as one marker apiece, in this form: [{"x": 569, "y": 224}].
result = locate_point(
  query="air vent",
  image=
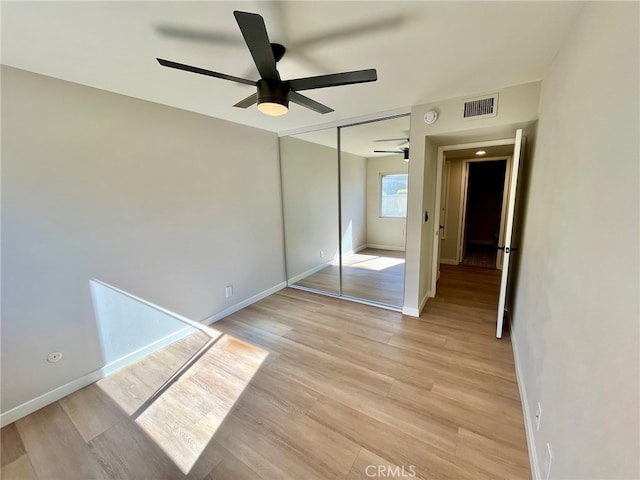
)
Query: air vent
[{"x": 481, "y": 107}]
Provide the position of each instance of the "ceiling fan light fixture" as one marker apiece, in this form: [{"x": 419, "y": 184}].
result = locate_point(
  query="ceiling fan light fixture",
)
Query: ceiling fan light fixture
[
  {"x": 272, "y": 108},
  {"x": 273, "y": 97}
]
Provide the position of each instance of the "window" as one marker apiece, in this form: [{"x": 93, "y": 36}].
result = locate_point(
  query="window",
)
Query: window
[{"x": 393, "y": 195}]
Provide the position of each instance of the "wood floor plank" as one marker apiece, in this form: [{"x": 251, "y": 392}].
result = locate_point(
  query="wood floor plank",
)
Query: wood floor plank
[
  {"x": 461, "y": 414},
  {"x": 18, "y": 469},
  {"x": 282, "y": 386},
  {"x": 388, "y": 441},
  {"x": 493, "y": 457},
  {"x": 487, "y": 401},
  {"x": 55, "y": 447},
  {"x": 232, "y": 468},
  {"x": 321, "y": 447},
  {"x": 369, "y": 465},
  {"x": 267, "y": 454},
  {"x": 124, "y": 451},
  {"x": 92, "y": 411},
  {"x": 304, "y": 355},
  {"x": 11, "y": 444}
]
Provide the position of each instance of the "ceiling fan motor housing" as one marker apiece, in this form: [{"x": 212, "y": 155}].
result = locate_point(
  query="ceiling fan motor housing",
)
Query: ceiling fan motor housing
[{"x": 273, "y": 91}]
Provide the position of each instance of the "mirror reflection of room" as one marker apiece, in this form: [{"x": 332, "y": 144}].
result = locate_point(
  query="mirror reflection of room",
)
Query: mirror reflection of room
[
  {"x": 374, "y": 174},
  {"x": 345, "y": 216},
  {"x": 309, "y": 170}
]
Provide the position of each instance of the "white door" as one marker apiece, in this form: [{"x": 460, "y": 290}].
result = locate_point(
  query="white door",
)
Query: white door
[{"x": 513, "y": 185}]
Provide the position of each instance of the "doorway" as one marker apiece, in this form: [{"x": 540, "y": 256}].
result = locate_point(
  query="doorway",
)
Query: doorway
[
  {"x": 483, "y": 213},
  {"x": 468, "y": 237}
]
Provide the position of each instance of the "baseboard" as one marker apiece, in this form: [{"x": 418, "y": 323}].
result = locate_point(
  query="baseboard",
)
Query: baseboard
[
  {"x": 385, "y": 247},
  {"x": 311, "y": 271},
  {"x": 411, "y": 312},
  {"x": 415, "y": 312},
  {"x": 245, "y": 303},
  {"x": 355, "y": 250},
  {"x": 45, "y": 399},
  {"x": 528, "y": 425},
  {"x": 423, "y": 302},
  {"x": 449, "y": 261}
]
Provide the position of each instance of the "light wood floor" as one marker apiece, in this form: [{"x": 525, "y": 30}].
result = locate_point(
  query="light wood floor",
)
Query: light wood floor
[
  {"x": 371, "y": 274},
  {"x": 344, "y": 386}
]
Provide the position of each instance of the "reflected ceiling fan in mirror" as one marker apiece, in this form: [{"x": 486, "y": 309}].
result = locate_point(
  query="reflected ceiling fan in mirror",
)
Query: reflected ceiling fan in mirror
[
  {"x": 273, "y": 94},
  {"x": 402, "y": 140},
  {"x": 404, "y": 151}
]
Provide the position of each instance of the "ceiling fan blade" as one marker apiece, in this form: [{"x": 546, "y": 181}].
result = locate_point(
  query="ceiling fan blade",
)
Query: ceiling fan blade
[
  {"x": 388, "y": 151},
  {"x": 202, "y": 71},
  {"x": 247, "y": 102},
  {"x": 334, "y": 79},
  {"x": 374, "y": 27},
  {"x": 197, "y": 35},
  {"x": 392, "y": 139},
  {"x": 309, "y": 103},
  {"x": 255, "y": 35}
]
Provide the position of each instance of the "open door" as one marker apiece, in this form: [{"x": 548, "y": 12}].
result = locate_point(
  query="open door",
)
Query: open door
[{"x": 507, "y": 248}]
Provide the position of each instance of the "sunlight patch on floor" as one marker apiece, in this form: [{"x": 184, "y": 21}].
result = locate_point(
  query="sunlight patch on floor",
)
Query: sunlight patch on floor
[
  {"x": 183, "y": 415},
  {"x": 370, "y": 262}
]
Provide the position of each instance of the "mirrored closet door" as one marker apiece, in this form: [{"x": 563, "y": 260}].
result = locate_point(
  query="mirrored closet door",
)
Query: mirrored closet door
[
  {"x": 309, "y": 169},
  {"x": 345, "y": 210},
  {"x": 374, "y": 167}
]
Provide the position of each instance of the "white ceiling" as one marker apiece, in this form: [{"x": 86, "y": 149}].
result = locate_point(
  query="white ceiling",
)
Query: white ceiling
[{"x": 423, "y": 51}]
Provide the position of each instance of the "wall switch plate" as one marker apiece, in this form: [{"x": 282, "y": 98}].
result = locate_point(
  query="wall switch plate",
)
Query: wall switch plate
[
  {"x": 538, "y": 417},
  {"x": 228, "y": 291},
  {"x": 321, "y": 253},
  {"x": 547, "y": 463}
]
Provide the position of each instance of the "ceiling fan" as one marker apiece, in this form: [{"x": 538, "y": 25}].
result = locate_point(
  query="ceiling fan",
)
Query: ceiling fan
[
  {"x": 404, "y": 151},
  {"x": 402, "y": 140},
  {"x": 273, "y": 94}
]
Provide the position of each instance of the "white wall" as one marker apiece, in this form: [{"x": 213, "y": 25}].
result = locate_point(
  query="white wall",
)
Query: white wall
[
  {"x": 449, "y": 244},
  {"x": 386, "y": 233},
  {"x": 167, "y": 205},
  {"x": 310, "y": 193},
  {"x": 310, "y": 189},
  {"x": 517, "y": 106},
  {"x": 353, "y": 181},
  {"x": 575, "y": 314}
]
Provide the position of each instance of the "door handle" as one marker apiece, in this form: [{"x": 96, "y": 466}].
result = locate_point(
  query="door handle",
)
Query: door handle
[{"x": 441, "y": 226}]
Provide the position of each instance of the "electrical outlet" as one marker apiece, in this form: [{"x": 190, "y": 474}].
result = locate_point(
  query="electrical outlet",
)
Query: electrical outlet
[
  {"x": 321, "y": 253},
  {"x": 547, "y": 463},
  {"x": 54, "y": 357},
  {"x": 228, "y": 291},
  {"x": 538, "y": 417}
]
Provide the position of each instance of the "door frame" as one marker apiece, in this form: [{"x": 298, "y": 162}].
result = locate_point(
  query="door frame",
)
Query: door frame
[
  {"x": 435, "y": 267},
  {"x": 462, "y": 213}
]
